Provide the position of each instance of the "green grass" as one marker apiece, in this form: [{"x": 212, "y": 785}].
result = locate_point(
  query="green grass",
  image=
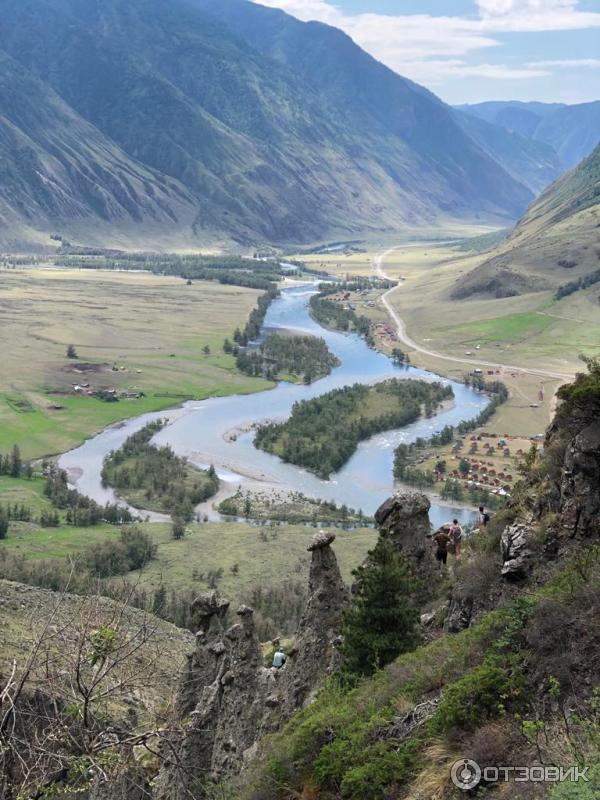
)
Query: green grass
[
  {"x": 154, "y": 327},
  {"x": 23, "y": 491},
  {"x": 508, "y": 328},
  {"x": 265, "y": 557},
  {"x": 32, "y": 542}
]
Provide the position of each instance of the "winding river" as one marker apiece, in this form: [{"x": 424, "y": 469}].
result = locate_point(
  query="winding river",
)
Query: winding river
[{"x": 217, "y": 430}]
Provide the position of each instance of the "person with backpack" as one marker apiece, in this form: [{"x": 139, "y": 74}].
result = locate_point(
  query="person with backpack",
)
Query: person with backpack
[
  {"x": 484, "y": 517},
  {"x": 442, "y": 541},
  {"x": 456, "y": 535},
  {"x": 279, "y": 658}
]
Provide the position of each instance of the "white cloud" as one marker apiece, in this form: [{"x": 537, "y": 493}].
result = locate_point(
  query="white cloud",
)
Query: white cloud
[
  {"x": 436, "y": 72},
  {"x": 418, "y": 45},
  {"x": 307, "y": 10},
  {"x": 575, "y": 63}
]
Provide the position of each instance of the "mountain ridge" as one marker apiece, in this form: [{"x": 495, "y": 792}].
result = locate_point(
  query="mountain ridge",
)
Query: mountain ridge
[
  {"x": 551, "y": 245},
  {"x": 254, "y": 151},
  {"x": 572, "y": 131}
]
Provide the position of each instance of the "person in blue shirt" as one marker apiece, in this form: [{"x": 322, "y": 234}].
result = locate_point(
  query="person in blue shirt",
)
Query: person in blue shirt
[{"x": 279, "y": 658}]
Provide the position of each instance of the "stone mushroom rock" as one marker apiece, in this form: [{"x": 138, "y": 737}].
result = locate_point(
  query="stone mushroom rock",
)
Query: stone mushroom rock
[
  {"x": 313, "y": 657},
  {"x": 321, "y": 540},
  {"x": 516, "y": 552},
  {"x": 404, "y": 517},
  {"x": 228, "y": 699},
  {"x": 209, "y": 610}
]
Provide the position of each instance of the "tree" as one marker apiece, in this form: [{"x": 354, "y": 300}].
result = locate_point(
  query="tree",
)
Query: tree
[
  {"x": 71, "y": 351},
  {"x": 382, "y": 620},
  {"x": 16, "y": 462},
  {"x": 178, "y": 529},
  {"x": 3, "y": 523},
  {"x": 464, "y": 467}
]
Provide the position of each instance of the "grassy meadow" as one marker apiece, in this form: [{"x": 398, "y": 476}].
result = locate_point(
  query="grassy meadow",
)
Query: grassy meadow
[
  {"x": 243, "y": 555},
  {"x": 530, "y": 330},
  {"x": 152, "y": 329}
]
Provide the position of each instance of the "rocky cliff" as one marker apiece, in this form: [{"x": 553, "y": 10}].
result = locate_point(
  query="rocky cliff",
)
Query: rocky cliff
[{"x": 228, "y": 699}]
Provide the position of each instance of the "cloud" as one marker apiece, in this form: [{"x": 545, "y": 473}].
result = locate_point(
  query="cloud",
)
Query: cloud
[
  {"x": 436, "y": 72},
  {"x": 308, "y": 10},
  {"x": 417, "y": 45},
  {"x": 575, "y": 63}
]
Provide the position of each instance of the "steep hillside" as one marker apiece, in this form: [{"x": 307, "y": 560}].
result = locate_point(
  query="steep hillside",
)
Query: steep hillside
[
  {"x": 532, "y": 162},
  {"x": 509, "y": 671},
  {"x": 554, "y": 244},
  {"x": 571, "y": 130},
  {"x": 278, "y": 130},
  {"x": 55, "y": 166}
]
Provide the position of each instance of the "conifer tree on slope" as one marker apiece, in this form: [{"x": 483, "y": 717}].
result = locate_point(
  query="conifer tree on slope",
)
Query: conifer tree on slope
[{"x": 382, "y": 621}]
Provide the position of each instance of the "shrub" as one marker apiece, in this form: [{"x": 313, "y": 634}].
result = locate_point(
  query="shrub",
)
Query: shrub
[{"x": 478, "y": 696}]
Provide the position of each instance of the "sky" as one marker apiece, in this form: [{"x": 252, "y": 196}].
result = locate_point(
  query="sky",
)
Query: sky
[{"x": 468, "y": 51}]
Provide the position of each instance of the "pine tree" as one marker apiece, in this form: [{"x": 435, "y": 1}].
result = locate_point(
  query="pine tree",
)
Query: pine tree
[
  {"x": 3, "y": 523},
  {"x": 16, "y": 463},
  {"x": 381, "y": 622}
]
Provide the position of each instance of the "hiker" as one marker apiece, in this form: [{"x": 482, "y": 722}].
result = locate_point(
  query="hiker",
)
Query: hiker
[
  {"x": 484, "y": 517},
  {"x": 279, "y": 658},
  {"x": 456, "y": 534},
  {"x": 442, "y": 539}
]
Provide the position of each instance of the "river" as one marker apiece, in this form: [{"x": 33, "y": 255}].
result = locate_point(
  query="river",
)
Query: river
[{"x": 202, "y": 430}]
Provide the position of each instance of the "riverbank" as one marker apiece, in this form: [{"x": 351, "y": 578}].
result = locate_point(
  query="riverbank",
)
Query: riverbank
[{"x": 200, "y": 430}]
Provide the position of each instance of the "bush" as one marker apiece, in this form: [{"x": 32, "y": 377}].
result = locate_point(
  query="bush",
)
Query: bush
[
  {"x": 473, "y": 699},
  {"x": 139, "y": 547}
]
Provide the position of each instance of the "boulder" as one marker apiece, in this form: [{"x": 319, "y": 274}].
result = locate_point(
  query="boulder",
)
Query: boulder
[
  {"x": 460, "y": 613},
  {"x": 516, "y": 551}
]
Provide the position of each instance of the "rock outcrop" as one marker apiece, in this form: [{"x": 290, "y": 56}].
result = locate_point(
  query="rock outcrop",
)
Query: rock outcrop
[
  {"x": 313, "y": 656},
  {"x": 516, "y": 551},
  {"x": 228, "y": 699},
  {"x": 580, "y": 488},
  {"x": 404, "y": 517}
]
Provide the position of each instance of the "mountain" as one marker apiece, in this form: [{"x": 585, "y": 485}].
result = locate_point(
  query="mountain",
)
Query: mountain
[
  {"x": 553, "y": 245},
  {"x": 571, "y": 130},
  {"x": 534, "y": 163},
  {"x": 371, "y": 98},
  {"x": 197, "y": 122},
  {"x": 55, "y": 166}
]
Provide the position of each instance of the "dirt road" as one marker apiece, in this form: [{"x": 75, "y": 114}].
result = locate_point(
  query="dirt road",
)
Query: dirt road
[{"x": 405, "y": 339}]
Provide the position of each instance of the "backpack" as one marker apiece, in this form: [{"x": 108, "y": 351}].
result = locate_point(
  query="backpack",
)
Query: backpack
[{"x": 486, "y": 518}]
